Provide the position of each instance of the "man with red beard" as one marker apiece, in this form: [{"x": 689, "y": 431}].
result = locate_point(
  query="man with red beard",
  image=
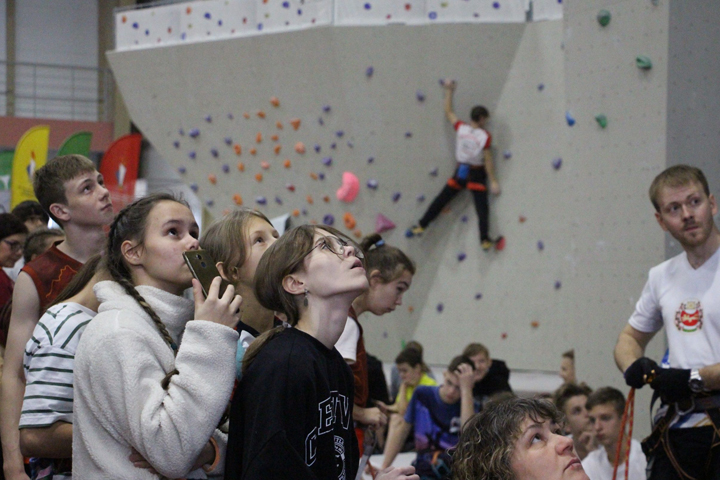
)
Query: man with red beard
[{"x": 683, "y": 295}]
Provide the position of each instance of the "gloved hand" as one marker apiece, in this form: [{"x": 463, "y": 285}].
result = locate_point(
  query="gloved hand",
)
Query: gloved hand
[
  {"x": 641, "y": 370},
  {"x": 672, "y": 384}
]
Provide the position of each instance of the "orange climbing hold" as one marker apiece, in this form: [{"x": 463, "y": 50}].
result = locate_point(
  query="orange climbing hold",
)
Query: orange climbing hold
[
  {"x": 260, "y": 114},
  {"x": 241, "y": 166},
  {"x": 246, "y": 115},
  {"x": 309, "y": 199},
  {"x": 287, "y": 163},
  {"x": 358, "y": 233},
  {"x": 258, "y": 177},
  {"x": 277, "y": 149},
  {"x": 349, "y": 220},
  {"x": 264, "y": 165},
  {"x": 313, "y": 175},
  {"x": 295, "y": 122},
  {"x": 279, "y": 125},
  {"x": 274, "y": 101},
  {"x": 237, "y": 199},
  {"x": 411, "y": 309},
  {"x": 296, "y": 213},
  {"x": 212, "y": 178},
  {"x": 274, "y": 138},
  {"x": 300, "y": 147},
  {"x": 326, "y": 199},
  {"x": 258, "y": 137},
  {"x": 238, "y": 149},
  {"x": 253, "y": 151}
]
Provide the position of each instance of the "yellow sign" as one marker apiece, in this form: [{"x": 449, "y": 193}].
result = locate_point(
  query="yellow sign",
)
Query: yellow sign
[{"x": 30, "y": 154}]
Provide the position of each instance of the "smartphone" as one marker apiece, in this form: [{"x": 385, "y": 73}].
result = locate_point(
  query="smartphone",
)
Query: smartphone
[{"x": 203, "y": 268}]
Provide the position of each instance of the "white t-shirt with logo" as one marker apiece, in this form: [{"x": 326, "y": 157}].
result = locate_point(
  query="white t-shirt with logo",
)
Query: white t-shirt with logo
[
  {"x": 598, "y": 467},
  {"x": 686, "y": 301},
  {"x": 469, "y": 143}
]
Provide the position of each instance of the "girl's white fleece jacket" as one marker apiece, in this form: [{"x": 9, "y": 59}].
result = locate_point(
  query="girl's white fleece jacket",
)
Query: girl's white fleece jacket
[{"x": 119, "y": 403}]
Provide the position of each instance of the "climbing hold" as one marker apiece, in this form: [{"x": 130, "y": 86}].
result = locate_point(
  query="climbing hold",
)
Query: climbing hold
[
  {"x": 296, "y": 213},
  {"x": 182, "y": 170},
  {"x": 274, "y": 138},
  {"x": 504, "y": 335},
  {"x": 500, "y": 244},
  {"x": 534, "y": 324},
  {"x": 558, "y": 285},
  {"x": 176, "y": 144},
  {"x": 279, "y": 125},
  {"x": 290, "y": 187},
  {"x": 253, "y": 151},
  {"x": 420, "y": 198},
  {"x": 369, "y": 72},
  {"x": 194, "y": 132},
  {"x": 259, "y": 177},
  {"x": 237, "y": 199},
  {"x": 264, "y": 165},
  {"x": 339, "y": 133},
  {"x": 309, "y": 199},
  {"x": 507, "y": 154},
  {"x": 522, "y": 219},
  {"x": 357, "y": 233},
  {"x": 569, "y": 118},
  {"x": 328, "y": 220},
  {"x": 440, "y": 307},
  {"x": 643, "y": 62},
  {"x": 304, "y": 211},
  {"x": 396, "y": 197},
  {"x": 461, "y": 256},
  {"x": 300, "y": 147},
  {"x": 372, "y": 183},
  {"x": 226, "y": 168},
  {"x": 274, "y": 101},
  {"x": 238, "y": 149},
  {"x": 194, "y": 187},
  {"x": 333, "y": 145},
  {"x": 326, "y": 108},
  {"x": 228, "y": 141},
  {"x": 181, "y": 132},
  {"x": 434, "y": 172},
  {"x": 557, "y": 163},
  {"x": 261, "y": 200},
  {"x": 214, "y": 152},
  {"x": 287, "y": 163},
  {"x": 540, "y": 245},
  {"x": 277, "y": 149},
  {"x": 603, "y": 18},
  {"x": 278, "y": 200},
  {"x": 295, "y": 122},
  {"x": 241, "y": 166},
  {"x": 210, "y": 202},
  {"x": 383, "y": 224},
  {"x": 326, "y": 199},
  {"x": 601, "y": 120},
  {"x": 192, "y": 154},
  {"x": 321, "y": 121},
  {"x": 478, "y": 296},
  {"x": 349, "y": 189},
  {"x": 327, "y": 161},
  {"x": 246, "y": 115},
  {"x": 208, "y": 118},
  {"x": 350, "y": 144},
  {"x": 541, "y": 87},
  {"x": 260, "y": 114},
  {"x": 258, "y": 138},
  {"x": 231, "y": 116},
  {"x": 349, "y": 220},
  {"x": 321, "y": 176},
  {"x": 408, "y": 134},
  {"x": 371, "y": 159},
  {"x": 409, "y": 233},
  {"x": 420, "y": 96},
  {"x": 316, "y": 147},
  {"x": 313, "y": 175},
  {"x": 464, "y": 219}
]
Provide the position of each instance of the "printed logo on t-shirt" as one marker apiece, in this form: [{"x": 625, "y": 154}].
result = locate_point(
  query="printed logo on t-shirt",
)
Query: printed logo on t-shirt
[
  {"x": 689, "y": 316},
  {"x": 340, "y": 457},
  {"x": 333, "y": 410}
]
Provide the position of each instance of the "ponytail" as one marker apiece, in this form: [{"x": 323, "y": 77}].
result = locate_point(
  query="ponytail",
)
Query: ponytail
[
  {"x": 389, "y": 261},
  {"x": 258, "y": 344}
]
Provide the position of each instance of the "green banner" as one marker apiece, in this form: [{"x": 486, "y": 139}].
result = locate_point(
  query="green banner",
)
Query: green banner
[
  {"x": 77, "y": 143},
  {"x": 6, "y": 161}
]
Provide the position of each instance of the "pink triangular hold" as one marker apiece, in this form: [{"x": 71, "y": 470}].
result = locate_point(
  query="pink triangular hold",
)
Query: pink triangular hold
[{"x": 383, "y": 224}]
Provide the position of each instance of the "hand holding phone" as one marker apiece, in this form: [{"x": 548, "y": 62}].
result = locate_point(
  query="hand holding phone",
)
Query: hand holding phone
[{"x": 203, "y": 268}]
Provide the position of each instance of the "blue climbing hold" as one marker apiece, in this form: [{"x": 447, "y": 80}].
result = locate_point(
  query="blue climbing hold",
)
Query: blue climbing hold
[
  {"x": 327, "y": 161},
  {"x": 328, "y": 220},
  {"x": 261, "y": 200},
  {"x": 194, "y": 132},
  {"x": 396, "y": 197},
  {"x": 461, "y": 256},
  {"x": 570, "y": 119},
  {"x": 372, "y": 184}
]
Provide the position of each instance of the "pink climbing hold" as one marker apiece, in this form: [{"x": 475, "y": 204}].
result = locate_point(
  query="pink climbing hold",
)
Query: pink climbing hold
[
  {"x": 383, "y": 224},
  {"x": 349, "y": 188}
]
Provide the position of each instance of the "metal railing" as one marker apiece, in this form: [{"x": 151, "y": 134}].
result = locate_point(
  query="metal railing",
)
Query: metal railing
[{"x": 62, "y": 92}]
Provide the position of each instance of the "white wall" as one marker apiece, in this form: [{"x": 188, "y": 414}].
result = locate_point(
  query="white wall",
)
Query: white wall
[{"x": 3, "y": 55}]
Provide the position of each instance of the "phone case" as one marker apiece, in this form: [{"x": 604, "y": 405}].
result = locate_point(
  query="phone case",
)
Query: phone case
[{"x": 203, "y": 268}]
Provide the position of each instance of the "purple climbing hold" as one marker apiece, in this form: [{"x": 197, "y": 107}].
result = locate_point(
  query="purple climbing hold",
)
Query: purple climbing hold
[
  {"x": 557, "y": 163},
  {"x": 385, "y": 334},
  {"x": 507, "y": 154},
  {"x": 261, "y": 200},
  {"x": 440, "y": 307},
  {"x": 321, "y": 176},
  {"x": 350, "y": 144},
  {"x": 219, "y": 23},
  {"x": 209, "y": 202},
  {"x": 278, "y": 200},
  {"x": 461, "y": 256},
  {"x": 408, "y": 134},
  {"x": 304, "y": 211},
  {"x": 333, "y": 145},
  {"x": 326, "y": 109},
  {"x": 569, "y": 118},
  {"x": 328, "y": 220},
  {"x": 541, "y": 87},
  {"x": 181, "y": 132},
  {"x": 339, "y": 133},
  {"x": 434, "y": 172},
  {"x": 420, "y": 96},
  {"x": 286, "y": 4},
  {"x": 135, "y": 25},
  {"x": 317, "y": 148},
  {"x": 369, "y": 70},
  {"x": 372, "y": 183},
  {"x": 327, "y": 161},
  {"x": 228, "y": 141},
  {"x": 321, "y": 121},
  {"x": 207, "y": 15},
  {"x": 182, "y": 170},
  {"x": 432, "y": 15},
  {"x": 464, "y": 219},
  {"x": 192, "y": 154},
  {"x": 226, "y": 168},
  {"x": 558, "y": 285},
  {"x": 371, "y": 159},
  {"x": 367, "y": 6},
  {"x": 396, "y": 197},
  {"x": 194, "y": 187},
  {"x": 214, "y": 152},
  {"x": 496, "y": 5},
  {"x": 421, "y": 198},
  {"x": 478, "y": 296},
  {"x": 194, "y": 132},
  {"x": 208, "y": 118},
  {"x": 540, "y": 245},
  {"x": 409, "y": 233},
  {"x": 231, "y": 116},
  {"x": 176, "y": 144}
]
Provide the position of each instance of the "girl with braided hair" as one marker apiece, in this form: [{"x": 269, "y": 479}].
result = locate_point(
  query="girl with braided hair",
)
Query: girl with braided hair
[{"x": 154, "y": 371}]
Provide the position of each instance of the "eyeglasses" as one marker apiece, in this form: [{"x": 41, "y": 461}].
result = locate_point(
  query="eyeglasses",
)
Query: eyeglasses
[
  {"x": 337, "y": 246},
  {"x": 15, "y": 246}
]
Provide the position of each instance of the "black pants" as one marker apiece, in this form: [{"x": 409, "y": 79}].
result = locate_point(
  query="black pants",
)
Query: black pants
[
  {"x": 476, "y": 182},
  {"x": 692, "y": 449}
]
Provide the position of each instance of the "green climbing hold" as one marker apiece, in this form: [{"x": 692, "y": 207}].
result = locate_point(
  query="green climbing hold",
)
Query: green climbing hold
[
  {"x": 601, "y": 120},
  {"x": 643, "y": 62},
  {"x": 603, "y": 17}
]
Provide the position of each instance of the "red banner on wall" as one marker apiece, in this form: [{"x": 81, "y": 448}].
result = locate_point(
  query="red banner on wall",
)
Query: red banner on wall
[{"x": 119, "y": 167}]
